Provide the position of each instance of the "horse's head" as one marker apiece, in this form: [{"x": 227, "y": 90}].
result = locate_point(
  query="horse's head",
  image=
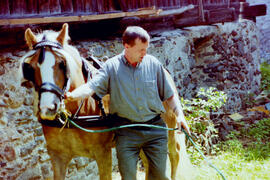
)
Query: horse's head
[{"x": 47, "y": 66}]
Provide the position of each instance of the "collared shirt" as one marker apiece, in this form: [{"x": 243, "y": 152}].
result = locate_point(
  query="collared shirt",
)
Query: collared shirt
[{"x": 136, "y": 93}]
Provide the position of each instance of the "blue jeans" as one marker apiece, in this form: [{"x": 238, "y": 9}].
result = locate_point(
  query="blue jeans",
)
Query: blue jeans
[{"x": 129, "y": 142}]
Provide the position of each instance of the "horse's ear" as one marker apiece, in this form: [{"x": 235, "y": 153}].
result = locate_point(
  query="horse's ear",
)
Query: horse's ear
[
  {"x": 63, "y": 35},
  {"x": 30, "y": 38}
]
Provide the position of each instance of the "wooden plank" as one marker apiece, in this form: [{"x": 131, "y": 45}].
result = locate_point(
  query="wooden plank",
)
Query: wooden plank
[
  {"x": 17, "y": 7},
  {"x": 55, "y": 6},
  {"x": 44, "y": 7},
  {"x": 133, "y": 4},
  {"x": 141, "y": 3},
  {"x": 87, "y": 6},
  {"x": 66, "y": 6},
  {"x": 90, "y": 6},
  {"x": 77, "y": 18},
  {"x": 256, "y": 10},
  {"x": 201, "y": 11},
  {"x": 151, "y": 3},
  {"x": 31, "y": 6},
  {"x": 221, "y": 15},
  {"x": 4, "y": 10},
  {"x": 175, "y": 11},
  {"x": 78, "y": 6},
  {"x": 159, "y": 4},
  {"x": 109, "y": 5},
  {"x": 187, "y": 18},
  {"x": 191, "y": 17},
  {"x": 123, "y": 5},
  {"x": 165, "y": 3},
  {"x": 100, "y": 4}
]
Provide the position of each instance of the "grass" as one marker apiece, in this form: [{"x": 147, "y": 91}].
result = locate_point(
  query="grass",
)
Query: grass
[
  {"x": 244, "y": 156},
  {"x": 234, "y": 167}
]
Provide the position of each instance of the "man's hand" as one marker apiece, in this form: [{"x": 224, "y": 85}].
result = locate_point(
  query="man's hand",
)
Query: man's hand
[
  {"x": 68, "y": 96},
  {"x": 81, "y": 92},
  {"x": 175, "y": 104},
  {"x": 183, "y": 124}
]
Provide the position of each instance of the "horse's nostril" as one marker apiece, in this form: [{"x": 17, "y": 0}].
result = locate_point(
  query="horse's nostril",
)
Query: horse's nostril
[{"x": 52, "y": 107}]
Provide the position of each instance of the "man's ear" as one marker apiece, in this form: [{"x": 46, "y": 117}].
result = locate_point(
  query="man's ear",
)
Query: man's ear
[{"x": 126, "y": 46}]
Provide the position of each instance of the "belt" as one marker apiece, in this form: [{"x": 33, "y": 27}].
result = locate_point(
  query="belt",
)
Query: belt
[{"x": 118, "y": 121}]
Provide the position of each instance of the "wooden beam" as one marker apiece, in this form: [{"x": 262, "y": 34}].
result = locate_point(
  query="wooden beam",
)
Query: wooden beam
[
  {"x": 62, "y": 19},
  {"x": 257, "y": 10},
  {"x": 191, "y": 17},
  {"x": 221, "y": 15},
  {"x": 175, "y": 11}
]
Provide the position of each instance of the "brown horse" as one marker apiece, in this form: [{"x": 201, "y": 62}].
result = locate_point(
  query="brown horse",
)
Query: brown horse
[{"x": 54, "y": 67}]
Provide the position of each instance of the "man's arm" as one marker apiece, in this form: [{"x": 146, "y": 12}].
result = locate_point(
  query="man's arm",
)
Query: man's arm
[
  {"x": 81, "y": 92},
  {"x": 174, "y": 103}
]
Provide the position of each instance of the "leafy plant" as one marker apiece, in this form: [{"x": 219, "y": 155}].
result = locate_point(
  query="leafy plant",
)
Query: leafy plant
[
  {"x": 253, "y": 143},
  {"x": 265, "y": 79},
  {"x": 197, "y": 111},
  {"x": 260, "y": 130}
]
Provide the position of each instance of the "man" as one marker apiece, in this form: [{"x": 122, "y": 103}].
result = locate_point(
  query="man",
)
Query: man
[{"x": 137, "y": 84}]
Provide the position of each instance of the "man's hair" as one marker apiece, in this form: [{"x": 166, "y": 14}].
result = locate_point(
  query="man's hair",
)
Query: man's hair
[{"x": 134, "y": 32}]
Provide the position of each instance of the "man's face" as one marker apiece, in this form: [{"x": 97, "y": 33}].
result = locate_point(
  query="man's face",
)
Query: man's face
[{"x": 136, "y": 52}]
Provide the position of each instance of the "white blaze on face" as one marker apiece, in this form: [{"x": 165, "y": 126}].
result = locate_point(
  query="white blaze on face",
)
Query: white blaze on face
[{"x": 47, "y": 99}]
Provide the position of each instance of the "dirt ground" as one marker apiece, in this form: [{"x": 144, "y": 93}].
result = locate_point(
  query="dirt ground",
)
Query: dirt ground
[{"x": 140, "y": 175}]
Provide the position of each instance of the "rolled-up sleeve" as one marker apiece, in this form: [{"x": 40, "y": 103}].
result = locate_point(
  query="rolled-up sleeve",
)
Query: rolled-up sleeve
[
  {"x": 165, "y": 84},
  {"x": 100, "y": 82}
]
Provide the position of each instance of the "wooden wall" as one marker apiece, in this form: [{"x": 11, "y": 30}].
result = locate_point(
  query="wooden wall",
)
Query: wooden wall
[{"x": 41, "y": 8}]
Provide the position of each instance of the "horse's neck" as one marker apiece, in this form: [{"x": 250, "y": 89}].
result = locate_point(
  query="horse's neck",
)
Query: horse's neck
[{"x": 87, "y": 106}]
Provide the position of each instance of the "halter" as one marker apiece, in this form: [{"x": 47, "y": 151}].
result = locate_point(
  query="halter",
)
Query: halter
[
  {"x": 48, "y": 86},
  {"x": 47, "y": 43}
]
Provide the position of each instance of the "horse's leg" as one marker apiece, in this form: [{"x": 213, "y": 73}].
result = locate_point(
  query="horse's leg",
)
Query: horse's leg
[
  {"x": 103, "y": 156},
  {"x": 145, "y": 164},
  {"x": 173, "y": 146},
  {"x": 174, "y": 156},
  {"x": 59, "y": 164}
]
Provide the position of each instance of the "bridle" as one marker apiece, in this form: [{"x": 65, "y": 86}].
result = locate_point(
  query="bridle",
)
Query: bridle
[
  {"x": 53, "y": 88},
  {"x": 48, "y": 86}
]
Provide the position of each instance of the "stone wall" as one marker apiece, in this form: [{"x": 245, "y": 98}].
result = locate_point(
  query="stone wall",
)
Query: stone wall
[
  {"x": 225, "y": 56},
  {"x": 263, "y": 24}
]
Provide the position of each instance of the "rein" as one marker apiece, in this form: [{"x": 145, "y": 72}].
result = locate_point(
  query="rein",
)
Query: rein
[{"x": 142, "y": 125}]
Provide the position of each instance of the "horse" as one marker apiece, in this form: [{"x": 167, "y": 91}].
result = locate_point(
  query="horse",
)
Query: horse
[{"x": 55, "y": 67}]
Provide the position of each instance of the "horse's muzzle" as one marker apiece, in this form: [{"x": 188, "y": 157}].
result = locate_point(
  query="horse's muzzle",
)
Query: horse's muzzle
[{"x": 48, "y": 111}]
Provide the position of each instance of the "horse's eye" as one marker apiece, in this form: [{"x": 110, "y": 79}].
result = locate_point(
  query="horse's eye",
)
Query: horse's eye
[{"x": 62, "y": 65}]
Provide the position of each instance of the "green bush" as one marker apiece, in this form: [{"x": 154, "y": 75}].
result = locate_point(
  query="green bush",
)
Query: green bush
[
  {"x": 197, "y": 112},
  {"x": 252, "y": 143},
  {"x": 265, "y": 79},
  {"x": 260, "y": 130}
]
